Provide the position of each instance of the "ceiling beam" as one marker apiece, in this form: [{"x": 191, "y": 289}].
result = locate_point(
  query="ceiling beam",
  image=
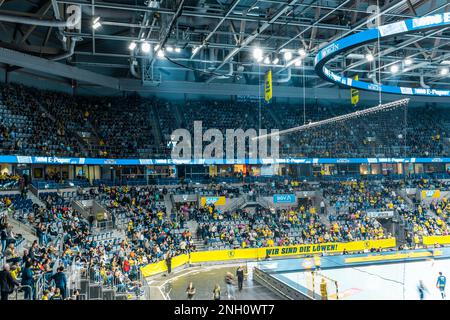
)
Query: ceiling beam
[
  {"x": 209, "y": 36},
  {"x": 27, "y": 61},
  {"x": 41, "y": 13},
  {"x": 256, "y": 33}
]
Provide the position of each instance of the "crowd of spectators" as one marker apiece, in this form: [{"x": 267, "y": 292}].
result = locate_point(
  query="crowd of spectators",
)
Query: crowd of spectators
[
  {"x": 27, "y": 129},
  {"x": 38, "y": 122},
  {"x": 358, "y": 195},
  {"x": 149, "y": 230},
  {"x": 297, "y": 225},
  {"x": 41, "y": 122},
  {"x": 9, "y": 181},
  {"x": 65, "y": 239}
]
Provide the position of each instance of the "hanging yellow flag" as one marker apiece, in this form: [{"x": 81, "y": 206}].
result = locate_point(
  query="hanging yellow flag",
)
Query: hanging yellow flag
[
  {"x": 354, "y": 93},
  {"x": 268, "y": 86}
]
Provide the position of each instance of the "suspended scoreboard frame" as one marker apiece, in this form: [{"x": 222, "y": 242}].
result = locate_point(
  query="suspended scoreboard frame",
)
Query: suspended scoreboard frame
[{"x": 436, "y": 21}]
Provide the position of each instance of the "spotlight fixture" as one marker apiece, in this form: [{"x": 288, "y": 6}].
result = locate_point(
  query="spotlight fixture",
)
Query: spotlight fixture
[
  {"x": 276, "y": 60},
  {"x": 257, "y": 54},
  {"x": 267, "y": 60},
  {"x": 132, "y": 46},
  {"x": 177, "y": 50},
  {"x": 145, "y": 47},
  {"x": 298, "y": 63},
  {"x": 302, "y": 52},
  {"x": 444, "y": 71},
  {"x": 408, "y": 62},
  {"x": 370, "y": 57},
  {"x": 169, "y": 49},
  {"x": 160, "y": 53},
  {"x": 287, "y": 55},
  {"x": 96, "y": 23},
  {"x": 394, "y": 68}
]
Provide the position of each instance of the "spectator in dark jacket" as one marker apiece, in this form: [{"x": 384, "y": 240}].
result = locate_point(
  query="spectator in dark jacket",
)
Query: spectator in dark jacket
[
  {"x": 7, "y": 282},
  {"x": 28, "y": 282},
  {"x": 60, "y": 281}
]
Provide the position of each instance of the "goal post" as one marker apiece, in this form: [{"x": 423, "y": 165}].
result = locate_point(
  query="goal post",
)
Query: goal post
[{"x": 321, "y": 286}]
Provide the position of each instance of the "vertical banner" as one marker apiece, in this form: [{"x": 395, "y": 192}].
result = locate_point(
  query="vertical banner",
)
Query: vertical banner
[
  {"x": 354, "y": 94},
  {"x": 268, "y": 86}
]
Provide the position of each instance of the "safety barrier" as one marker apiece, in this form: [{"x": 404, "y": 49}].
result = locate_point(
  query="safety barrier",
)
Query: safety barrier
[
  {"x": 263, "y": 253},
  {"x": 161, "y": 266}
]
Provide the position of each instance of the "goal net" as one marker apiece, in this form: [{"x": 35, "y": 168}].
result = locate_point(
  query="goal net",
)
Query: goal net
[{"x": 321, "y": 286}]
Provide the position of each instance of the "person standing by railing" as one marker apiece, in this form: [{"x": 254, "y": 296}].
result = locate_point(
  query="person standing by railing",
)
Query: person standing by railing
[
  {"x": 7, "y": 282},
  {"x": 60, "y": 281},
  {"x": 28, "y": 282},
  {"x": 3, "y": 237}
]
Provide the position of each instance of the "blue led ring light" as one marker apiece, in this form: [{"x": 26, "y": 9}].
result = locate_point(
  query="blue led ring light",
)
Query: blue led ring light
[{"x": 407, "y": 26}]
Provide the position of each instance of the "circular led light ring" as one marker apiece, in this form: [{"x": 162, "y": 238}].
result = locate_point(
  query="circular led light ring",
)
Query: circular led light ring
[{"x": 407, "y": 26}]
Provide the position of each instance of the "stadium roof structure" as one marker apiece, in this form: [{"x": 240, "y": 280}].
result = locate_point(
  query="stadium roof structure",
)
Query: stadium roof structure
[{"x": 218, "y": 46}]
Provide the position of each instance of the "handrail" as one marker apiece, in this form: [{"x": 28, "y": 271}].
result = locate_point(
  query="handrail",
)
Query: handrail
[{"x": 18, "y": 288}]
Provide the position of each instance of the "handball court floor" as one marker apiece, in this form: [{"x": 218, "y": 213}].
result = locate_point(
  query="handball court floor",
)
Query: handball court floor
[
  {"x": 204, "y": 279},
  {"x": 393, "y": 281}
]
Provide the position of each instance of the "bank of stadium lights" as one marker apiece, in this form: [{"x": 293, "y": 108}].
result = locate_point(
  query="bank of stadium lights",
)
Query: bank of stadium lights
[
  {"x": 173, "y": 49},
  {"x": 394, "y": 69},
  {"x": 96, "y": 23},
  {"x": 257, "y": 54}
]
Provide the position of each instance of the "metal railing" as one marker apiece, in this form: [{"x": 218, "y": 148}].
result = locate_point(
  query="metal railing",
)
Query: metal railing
[
  {"x": 136, "y": 287},
  {"x": 20, "y": 288}
]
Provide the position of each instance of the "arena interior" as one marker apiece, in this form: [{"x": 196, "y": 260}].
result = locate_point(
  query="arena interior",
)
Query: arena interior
[{"x": 224, "y": 149}]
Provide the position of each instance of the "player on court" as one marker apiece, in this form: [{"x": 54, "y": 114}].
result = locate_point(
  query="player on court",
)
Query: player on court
[
  {"x": 440, "y": 284},
  {"x": 323, "y": 289},
  {"x": 422, "y": 289}
]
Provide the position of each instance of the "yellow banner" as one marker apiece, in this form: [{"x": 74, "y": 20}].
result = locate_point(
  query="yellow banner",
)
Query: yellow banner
[
  {"x": 354, "y": 93},
  {"x": 303, "y": 249},
  {"x": 436, "y": 194},
  {"x": 268, "y": 86},
  {"x": 161, "y": 266},
  {"x": 432, "y": 240},
  {"x": 261, "y": 253},
  {"x": 217, "y": 201}
]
